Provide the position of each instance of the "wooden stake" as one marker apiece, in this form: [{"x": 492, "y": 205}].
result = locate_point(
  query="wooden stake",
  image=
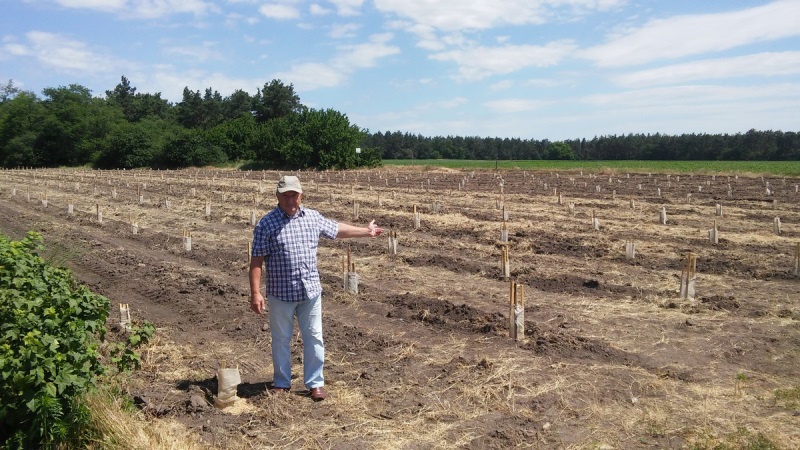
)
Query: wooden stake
[
  {"x": 344, "y": 272},
  {"x": 688, "y": 277},
  {"x": 187, "y": 240},
  {"x": 505, "y": 265},
  {"x": 125, "y": 316},
  {"x": 392, "y": 242},
  {"x": 630, "y": 250},
  {"x": 519, "y": 314},
  {"x": 797, "y": 260},
  {"x": 516, "y": 311},
  {"x": 713, "y": 234},
  {"x": 512, "y": 295}
]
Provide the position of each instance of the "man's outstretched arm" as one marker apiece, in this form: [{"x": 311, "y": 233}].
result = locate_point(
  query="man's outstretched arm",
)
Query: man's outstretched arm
[{"x": 351, "y": 231}]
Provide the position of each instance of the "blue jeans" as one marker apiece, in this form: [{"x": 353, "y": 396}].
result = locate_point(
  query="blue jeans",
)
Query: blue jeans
[{"x": 281, "y": 325}]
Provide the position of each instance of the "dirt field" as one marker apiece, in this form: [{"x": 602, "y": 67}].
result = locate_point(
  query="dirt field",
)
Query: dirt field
[{"x": 421, "y": 358}]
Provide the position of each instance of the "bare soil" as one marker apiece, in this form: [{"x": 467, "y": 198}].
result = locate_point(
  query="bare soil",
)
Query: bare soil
[{"x": 421, "y": 357}]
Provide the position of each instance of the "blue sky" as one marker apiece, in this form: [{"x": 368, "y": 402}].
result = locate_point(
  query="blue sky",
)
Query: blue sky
[{"x": 533, "y": 69}]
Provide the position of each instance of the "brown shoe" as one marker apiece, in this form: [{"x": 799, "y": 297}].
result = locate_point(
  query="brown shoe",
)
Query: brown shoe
[
  {"x": 278, "y": 390},
  {"x": 318, "y": 394}
]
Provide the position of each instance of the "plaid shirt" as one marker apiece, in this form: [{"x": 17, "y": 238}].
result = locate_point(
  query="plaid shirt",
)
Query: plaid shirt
[{"x": 289, "y": 245}]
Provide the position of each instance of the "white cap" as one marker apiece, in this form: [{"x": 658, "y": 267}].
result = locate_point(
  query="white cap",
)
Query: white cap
[{"x": 289, "y": 183}]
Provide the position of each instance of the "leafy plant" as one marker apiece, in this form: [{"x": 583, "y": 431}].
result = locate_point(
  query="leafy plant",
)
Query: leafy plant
[
  {"x": 49, "y": 330},
  {"x": 123, "y": 355}
]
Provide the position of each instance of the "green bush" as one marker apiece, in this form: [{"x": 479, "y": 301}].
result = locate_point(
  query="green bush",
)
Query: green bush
[
  {"x": 49, "y": 332},
  {"x": 191, "y": 149}
]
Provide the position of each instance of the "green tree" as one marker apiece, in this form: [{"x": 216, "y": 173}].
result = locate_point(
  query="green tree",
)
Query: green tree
[
  {"x": 237, "y": 105},
  {"x": 123, "y": 96},
  {"x": 191, "y": 149},
  {"x": 8, "y": 91},
  {"x": 127, "y": 147},
  {"x": 331, "y": 136},
  {"x": 276, "y": 100},
  {"x": 559, "y": 150},
  {"x": 189, "y": 111},
  {"x": 136, "y": 106},
  {"x": 235, "y": 137},
  {"x": 74, "y": 125},
  {"x": 21, "y": 121},
  {"x": 212, "y": 109},
  {"x": 268, "y": 139}
]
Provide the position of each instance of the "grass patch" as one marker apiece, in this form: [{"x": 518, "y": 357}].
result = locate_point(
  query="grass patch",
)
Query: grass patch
[
  {"x": 788, "y": 398},
  {"x": 788, "y": 168},
  {"x": 742, "y": 439},
  {"x": 118, "y": 425}
]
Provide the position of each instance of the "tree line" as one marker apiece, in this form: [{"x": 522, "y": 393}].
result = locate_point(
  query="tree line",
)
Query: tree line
[
  {"x": 750, "y": 146},
  {"x": 68, "y": 126}
]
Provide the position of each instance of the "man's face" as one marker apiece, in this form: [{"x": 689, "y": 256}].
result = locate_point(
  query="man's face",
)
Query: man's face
[{"x": 289, "y": 202}]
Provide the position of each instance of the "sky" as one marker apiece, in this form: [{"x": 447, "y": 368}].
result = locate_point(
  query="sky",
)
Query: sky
[{"x": 530, "y": 69}]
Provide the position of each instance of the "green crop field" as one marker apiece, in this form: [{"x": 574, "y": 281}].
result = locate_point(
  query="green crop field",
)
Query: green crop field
[{"x": 789, "y": 168}]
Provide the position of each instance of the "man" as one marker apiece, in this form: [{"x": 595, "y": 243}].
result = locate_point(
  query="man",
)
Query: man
[{"x": 287, "y": 239}]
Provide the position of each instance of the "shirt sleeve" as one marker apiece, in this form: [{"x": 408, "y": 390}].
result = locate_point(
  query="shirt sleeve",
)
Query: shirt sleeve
[
  {"x": 328, "y": 228},
  {"x": 259, "y": 241}
]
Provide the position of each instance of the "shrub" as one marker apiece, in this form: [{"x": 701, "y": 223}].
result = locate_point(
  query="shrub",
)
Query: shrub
[{"x": 49, "y": 331}]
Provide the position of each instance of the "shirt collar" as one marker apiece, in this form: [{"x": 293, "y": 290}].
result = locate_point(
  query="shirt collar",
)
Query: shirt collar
[{"x": 300, "y": 212}]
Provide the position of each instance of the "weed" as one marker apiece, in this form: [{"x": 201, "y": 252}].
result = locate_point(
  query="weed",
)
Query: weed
[
  {"x": 788, "y": 398},
  {"x": 741, "y": 439},
  {"x": 738, "y": 388}
]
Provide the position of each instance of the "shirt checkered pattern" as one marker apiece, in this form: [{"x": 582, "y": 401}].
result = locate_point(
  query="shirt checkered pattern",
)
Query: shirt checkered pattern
[{"x": 289, "y": 247}]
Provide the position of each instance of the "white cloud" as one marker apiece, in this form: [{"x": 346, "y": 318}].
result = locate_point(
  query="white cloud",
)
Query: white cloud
[
  {"x": 686, "y": 97},
  {"x": 426, "y": 36},
  {"x": 143, "y": 9},
  {"x": 11, "y": 48},
  {"x": 480, "y": 62},
  {"x": 688, "y": 109},
  {"x": 170, "y": 82},
  {"x": 365, "y": 55},
  {"x": 441, "y": 104},
  {"x": 197, "y": 53},
  {"x": 279, "y": 11},
  {"x": 689, "y": 35},
  {"x": 501, "y": 85},
  {"x": 315, "y": 75},
  {"x": 69, "y": 55},
  {"x": 460, "y": 15},
  {"x": 563, "y": 79},
  {"x": 512, "y": 105},
  {"x": 318, "y": 10},
  {"x": 348, "y": 7},
  {"x": 311, "y": 75},
  {"x": 99, "y": 5},
  {"x": 346, "y": 30},
  {"x": 761, "y": 65}
]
